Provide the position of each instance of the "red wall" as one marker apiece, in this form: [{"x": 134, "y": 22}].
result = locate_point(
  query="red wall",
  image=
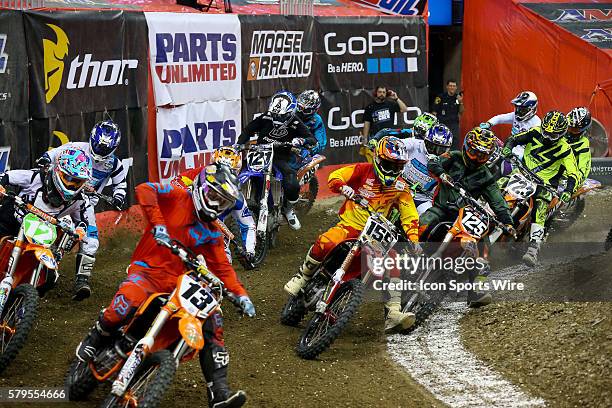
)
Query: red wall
[{"x": 508, "y": 48}]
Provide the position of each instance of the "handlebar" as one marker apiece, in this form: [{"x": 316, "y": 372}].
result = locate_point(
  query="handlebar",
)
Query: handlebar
[
  {"x": 64, "y": 226},
  {"x": 187, "y": 256},
  {"x": 474, "y": 203},
  {"x": 90, "y": 191},
  {"x": 529, "y": 173}
]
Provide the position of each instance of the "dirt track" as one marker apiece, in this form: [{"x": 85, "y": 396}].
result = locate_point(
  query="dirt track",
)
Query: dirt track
[{"x": 355, "y": 372}]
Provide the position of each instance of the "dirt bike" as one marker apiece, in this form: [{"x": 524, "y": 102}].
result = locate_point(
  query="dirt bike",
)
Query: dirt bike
[
  {"x": 165, "y": 331},
  {"x": 29, "y": 262},
  {"x": 335, "y": 290},
  {"x": 309, "y": 184},
  {"x": 458, "y": 238},
  {"x": 262, "y": 188},
  {"x": 562, "y": 216}
]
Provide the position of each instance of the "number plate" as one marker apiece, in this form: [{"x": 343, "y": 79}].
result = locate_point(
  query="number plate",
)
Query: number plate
[
  {"x": 520, "y": 187},
  {"x": 37, "y": 231},
  {"x": 196, "y": 298},
  {"x": 376, "y": 231},
  {"x": 259, "y": 158},
  {"x": 473, "y": 223}
]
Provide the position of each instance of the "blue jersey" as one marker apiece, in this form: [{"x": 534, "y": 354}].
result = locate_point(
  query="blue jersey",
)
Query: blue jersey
[{"x": 317, "y": 128}]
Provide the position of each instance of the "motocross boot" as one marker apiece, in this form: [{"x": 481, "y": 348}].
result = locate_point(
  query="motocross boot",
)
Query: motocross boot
[
  {"x": 536, "y": 235},
  {"x": 395, "y": 318},
  {"x": 214, "y": 360},
  {"x": 84, "y": 265},
  {"x": 476, "y": 298},
  {"x": 96, "y": 338},
  {"x": 299, "y": 280},
  {"x": 290, "y": 215}
]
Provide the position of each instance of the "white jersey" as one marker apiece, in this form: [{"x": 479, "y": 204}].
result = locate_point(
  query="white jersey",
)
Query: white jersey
[
  {"x": 31, "y": 190},
  {"x": 109, "y": 170},
  {"x": 518, "y": 126},
  {"x": 416, "y": 171}
]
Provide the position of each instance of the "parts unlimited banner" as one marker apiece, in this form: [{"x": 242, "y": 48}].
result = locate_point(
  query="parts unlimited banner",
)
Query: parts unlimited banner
[
  {"x": 194, "y": 57},
  {"x": 86, "y": 62}
]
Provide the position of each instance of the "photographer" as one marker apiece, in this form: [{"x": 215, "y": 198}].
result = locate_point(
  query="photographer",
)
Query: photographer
[
  {"x": 380, "y": 114},
  {"x": 448, "y": 106}
]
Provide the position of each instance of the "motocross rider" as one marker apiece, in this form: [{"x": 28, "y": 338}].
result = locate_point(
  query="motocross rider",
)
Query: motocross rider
[
  {"x": 436, "y": 141},
  {"x": 281, "y": 124},
  {"x": 240, "y": 211},
  {"x": 524, "y": 116},
  {"x": 107, "y": 170},
  {"x": 420, "y": 126},
  {"x": 185, "y": 215},
  {"x": 547, "y": 154},
  {"x": 57, "y": 189},
  {"x": 579, "y": 124},
  {"x": 380, "y": 183},
  {"x": 468, "y": 167}
]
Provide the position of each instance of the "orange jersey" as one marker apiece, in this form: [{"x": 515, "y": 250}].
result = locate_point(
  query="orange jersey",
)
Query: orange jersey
[
  {"x": 361, "y": 178},
  {"x": 185, "y": 179},
  {"x": 164, "y": 204}
]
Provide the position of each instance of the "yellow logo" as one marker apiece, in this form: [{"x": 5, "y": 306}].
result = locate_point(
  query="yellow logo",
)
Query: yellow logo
[{"x": 54, "y": 54}]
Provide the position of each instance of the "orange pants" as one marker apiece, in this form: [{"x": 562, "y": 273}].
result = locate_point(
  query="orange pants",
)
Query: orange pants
[{"x": 330, "y": 239}]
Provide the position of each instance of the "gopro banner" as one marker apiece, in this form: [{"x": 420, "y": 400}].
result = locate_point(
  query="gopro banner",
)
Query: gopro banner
[
  {"x": 76, "y": 69},
  {"x": 187, "y": 135},
  {"x": 194, "y": 57},
  {"x": 342, "y": 113},
  {"x": 371, "y": 50}
]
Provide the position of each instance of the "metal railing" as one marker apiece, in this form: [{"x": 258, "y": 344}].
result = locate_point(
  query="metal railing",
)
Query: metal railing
[
  {"x": 297, "y": 7},
  {"x": 22, "y": 4}
]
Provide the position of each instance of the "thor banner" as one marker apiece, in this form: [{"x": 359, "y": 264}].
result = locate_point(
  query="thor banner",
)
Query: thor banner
[
  {"x": 186, "y": 135},
  {"x": 368, "y": 51},
  {"x": 13, "y": 68},
  {"x": 77, "y": 69},
  {"x": 194, "y": 57}
]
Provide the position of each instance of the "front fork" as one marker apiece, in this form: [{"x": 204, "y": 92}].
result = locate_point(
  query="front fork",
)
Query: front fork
[
  {"x": 336, "y": 280},
  {"x": 140, "y": 351},
  {"x": 262, "y": 223},
  {"x": 7, "y": 283}
]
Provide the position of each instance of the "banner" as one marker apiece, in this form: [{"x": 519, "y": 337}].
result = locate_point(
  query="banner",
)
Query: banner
[
  {"x": 342, "y": 113},
  {"x": 399, "y": 7},
  {"x": 590, "y": 21},
  {"x": 278, "y": 53},
  {"x": 88, "y": 61},
  {"x": 13, "y": 68},
  {"x": 186, "y": 135},
  {"x": 194, "y": 57},
  {"x": 56, "y": 131},
  {"x": 369, "y": 51}
]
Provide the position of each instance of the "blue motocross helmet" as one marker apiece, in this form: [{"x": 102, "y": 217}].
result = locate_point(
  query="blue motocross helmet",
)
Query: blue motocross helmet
[
  {"x": 283, "y": 107},
  {"x": 308, "y": 103},
  {"x": 438, "y": 139},
  {"x": 104, "y": 140}
]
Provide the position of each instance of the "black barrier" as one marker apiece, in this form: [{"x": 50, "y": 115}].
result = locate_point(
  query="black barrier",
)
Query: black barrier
[
  {"x": 88, "y": 61},
  {"x": 13, "y": 68},
  {"x": 55, "y": 131}
]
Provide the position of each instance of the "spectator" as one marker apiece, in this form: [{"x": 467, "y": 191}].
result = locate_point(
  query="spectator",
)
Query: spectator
[
  {"x": 380, "y": 114},
  {"x": 447, "y": 107}
]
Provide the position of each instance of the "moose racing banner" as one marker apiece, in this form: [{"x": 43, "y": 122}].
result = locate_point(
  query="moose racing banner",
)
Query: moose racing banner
[
  {"x": 88, "y": 61},
  {"x": 194, "y": 57},
  {"x": 366, "y": 51},
  {"x": 278, "y": 53},
  {"x": 186, "y": 135}
]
